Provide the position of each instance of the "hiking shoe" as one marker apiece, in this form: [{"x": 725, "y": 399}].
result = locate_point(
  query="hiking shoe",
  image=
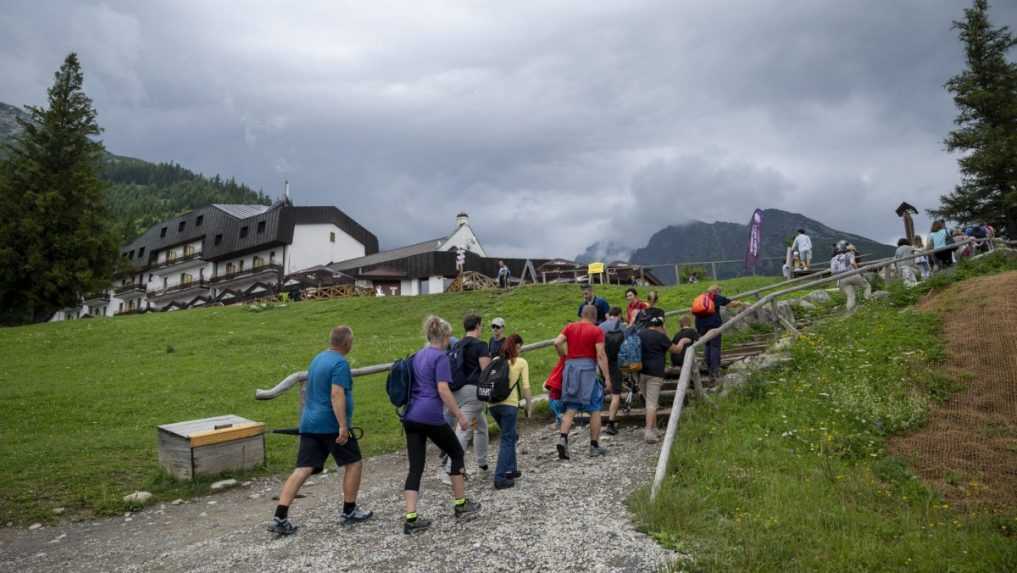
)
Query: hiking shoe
[
  {"x": 282, "y": 527},
  {"x": 597, "y": 451},
  {"x": 469, "y": 510},
  {"x": 443, "y": 477},
  {"x": 355, "y": 516},
  {"x": 611, "y": 429},
  {"x": 515, "y": 475},
  {"x": 650, "y": 436},
  {"x": 563, "y": 449},
  {"x": 504, "y": 483},
  {"x": 418, "y": 524}
]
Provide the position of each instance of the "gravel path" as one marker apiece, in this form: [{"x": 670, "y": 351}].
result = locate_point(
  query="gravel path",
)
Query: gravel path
[{"x": 561, "y": 516}]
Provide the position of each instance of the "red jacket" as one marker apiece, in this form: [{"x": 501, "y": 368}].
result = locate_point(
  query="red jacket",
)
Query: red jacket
[{"x": 554, "y": 380}]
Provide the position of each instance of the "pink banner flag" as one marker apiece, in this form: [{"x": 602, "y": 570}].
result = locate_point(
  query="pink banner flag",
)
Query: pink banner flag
[{"x": 755, "y": 239}]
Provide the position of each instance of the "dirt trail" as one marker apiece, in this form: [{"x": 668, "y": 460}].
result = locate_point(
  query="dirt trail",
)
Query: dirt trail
[
  {"x": 968, "y": 450},
  {"x": 561, "y": 516}
]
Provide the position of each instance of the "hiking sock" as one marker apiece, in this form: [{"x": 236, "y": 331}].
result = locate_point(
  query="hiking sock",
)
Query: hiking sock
[
  {"x": 460, "y": 501},
  {"x": 564, "y": 436},
  {"x": 411, "y": 517},
  {"x": 282, "y": 511},
  {"x": 349, "y": 507},
  {"x": 594, "y": 443}
]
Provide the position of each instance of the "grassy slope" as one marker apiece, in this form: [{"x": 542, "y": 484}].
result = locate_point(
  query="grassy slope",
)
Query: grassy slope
[
  {"x": 793, "y": 476},
  {"x": 80, "y": 400}
]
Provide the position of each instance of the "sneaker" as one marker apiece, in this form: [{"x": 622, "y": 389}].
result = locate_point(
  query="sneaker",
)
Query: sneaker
[
  {"x": 650, "y": 436},
  {"x": 443, "y": 477},
  {"x": 504, "y": 483},
  {"x": 355, "y": 516},
  {"x": 597, "y": 451},
  {"x": 418, "y": 524},
  {"x": 282, "y": 527},
  {"x": 611, "y": 429},
  {"x": 470, "y": 509},
  {"x": 563, "y": 449},
  {"x": 515, "y": 475}
]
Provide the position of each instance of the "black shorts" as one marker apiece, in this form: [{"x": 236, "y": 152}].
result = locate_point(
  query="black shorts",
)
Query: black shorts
[
  {"x": 315, "y": 449},
  {"x": 617, "y": 383}
]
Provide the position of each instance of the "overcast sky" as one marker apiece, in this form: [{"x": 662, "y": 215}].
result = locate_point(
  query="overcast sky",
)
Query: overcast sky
[{"x": 553, "y": 124}]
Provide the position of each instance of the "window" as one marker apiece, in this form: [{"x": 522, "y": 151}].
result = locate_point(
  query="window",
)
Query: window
[
  {"x": 230, "y": 268},
  {"x": 243, "y": 232},
  {"x": 186, "y": 279},
  {"x": 240, "y": 266},
  {"x": 121, "y": 307},
  {"x": 162, "y": 234},
  {"x": 271, "y": 258},
  {"x": 261, "y": 227},
  {"x": 141, "y": 252},
  {"x": 130, "y": 255},
  {"x": 150, "y": 277},
  {"x": 199, "y": 220},
  {"x": 218, "y": 238},
  {"x": 180, "y": 227},
  {"x": 331, "y": 237},
  {"x": 258, "y": 262},
  {"x": 188, "y": 250}
]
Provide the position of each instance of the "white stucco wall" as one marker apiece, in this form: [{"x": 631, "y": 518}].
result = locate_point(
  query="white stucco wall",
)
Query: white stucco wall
[
  {"x": 466, "y": 238},
  {"x": 311, "y": 246},
  {"x": 409, "y": 287},
  {"x": 436, "y": 285}
]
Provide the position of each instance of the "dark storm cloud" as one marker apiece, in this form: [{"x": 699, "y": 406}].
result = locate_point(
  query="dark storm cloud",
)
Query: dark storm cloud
[{"x": 554, "y": 124}]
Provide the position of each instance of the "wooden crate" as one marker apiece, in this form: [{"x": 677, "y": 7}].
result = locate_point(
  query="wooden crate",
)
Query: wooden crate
[{"x": 211, "y": 446}]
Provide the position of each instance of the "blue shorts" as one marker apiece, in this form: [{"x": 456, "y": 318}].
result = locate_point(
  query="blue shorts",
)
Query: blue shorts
[{"x": 558, "y": 408}]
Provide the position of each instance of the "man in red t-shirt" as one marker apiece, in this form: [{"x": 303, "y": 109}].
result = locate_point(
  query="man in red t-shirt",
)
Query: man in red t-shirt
[
  {"x": 582, "y": 345},
  {"x": 635, "y": 305}
]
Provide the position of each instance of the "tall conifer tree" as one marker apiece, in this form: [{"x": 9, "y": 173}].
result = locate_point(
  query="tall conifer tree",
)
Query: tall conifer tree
[
  {"x": 986, "y": 97},
  {"x": 56, "y": 244}
]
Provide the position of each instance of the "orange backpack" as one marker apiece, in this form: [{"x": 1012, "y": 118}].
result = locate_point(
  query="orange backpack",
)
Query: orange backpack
[{"x": 704, "y": 305}]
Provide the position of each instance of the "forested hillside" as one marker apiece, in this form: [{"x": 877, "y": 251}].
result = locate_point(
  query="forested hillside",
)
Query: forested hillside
[{"x": 140, "y": 193}]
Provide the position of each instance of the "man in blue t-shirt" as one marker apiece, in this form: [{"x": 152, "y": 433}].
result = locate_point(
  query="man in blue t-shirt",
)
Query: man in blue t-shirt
[
  {"x": 325, "y": 430},
  {"x": 589, "y": 298}
]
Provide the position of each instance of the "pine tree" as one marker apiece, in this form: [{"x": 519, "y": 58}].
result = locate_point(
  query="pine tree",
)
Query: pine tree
[
  {"x": 986, "y": 97},
  {"x": 56, "y": 244}
]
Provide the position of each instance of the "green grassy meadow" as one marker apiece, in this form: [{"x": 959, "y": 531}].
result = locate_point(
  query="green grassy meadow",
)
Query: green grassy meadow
[
  {"x": 790, "y": 472},
  {"x": 80, "y": 400}
]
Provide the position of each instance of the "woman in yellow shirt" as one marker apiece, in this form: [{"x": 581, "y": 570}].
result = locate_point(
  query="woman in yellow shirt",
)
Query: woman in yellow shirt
[{"x": 506, "y": 413}]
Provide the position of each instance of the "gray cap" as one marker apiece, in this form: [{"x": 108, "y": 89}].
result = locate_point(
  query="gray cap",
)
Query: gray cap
[{"x": 498, "y": 322}]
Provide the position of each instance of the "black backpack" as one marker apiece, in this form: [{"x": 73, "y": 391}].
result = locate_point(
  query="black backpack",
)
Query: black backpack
[
  {"x": 399, "y": 384},
  {"x": 612, "y": 344},
  {"x": 493, "y": 386},
  {"x": 455, "y": 362}
]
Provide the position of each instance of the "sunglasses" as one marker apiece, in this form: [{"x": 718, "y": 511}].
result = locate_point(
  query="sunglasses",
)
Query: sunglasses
[{"x": 495, "y": 327}]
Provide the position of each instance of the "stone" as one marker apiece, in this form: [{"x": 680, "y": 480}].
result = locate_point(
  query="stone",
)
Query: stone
[
  {"x": 138, "y": 497},
  {"x": 212, "y": 502},
  {"x": 819, "y": 296},
  {"x": 177, "y": 501},
  {"x": 248, "y": 483},
  {"x": 880, "y": 295},
  {"x": 35, "y": 526},
  {"x": 58, "y": 538},
  {"x": 254, "y": 496},
  {"x": 203, "y": 514},
  {"x": 58, "y": 511},
  {"x": 224, "y": 484},
  {"x": 805, "y": 305}
]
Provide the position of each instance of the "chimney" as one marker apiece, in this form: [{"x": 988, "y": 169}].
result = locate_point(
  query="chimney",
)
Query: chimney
[{"x": 462, "y": 219}]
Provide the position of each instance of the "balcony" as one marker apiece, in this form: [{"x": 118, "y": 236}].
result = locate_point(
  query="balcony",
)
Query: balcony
[
  {"x": 180, "y": 291},
  {"x": 274, "y": 270},
  {"x": 174, "y": 261},
  {"x": 97, "y": 299},
  {"x": 132, "y": 290}
]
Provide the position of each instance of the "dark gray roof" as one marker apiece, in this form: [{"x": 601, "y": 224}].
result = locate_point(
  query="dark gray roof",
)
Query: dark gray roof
[
  {"x": 221, "y": 229},
  {"x": 391, "y": 255}
]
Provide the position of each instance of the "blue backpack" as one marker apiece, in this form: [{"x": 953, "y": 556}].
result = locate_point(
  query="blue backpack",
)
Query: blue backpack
[
  {"x": 630, "y": 355},
  {"x": 455, "y": 362},
  {"x": 399, "y": 383}
]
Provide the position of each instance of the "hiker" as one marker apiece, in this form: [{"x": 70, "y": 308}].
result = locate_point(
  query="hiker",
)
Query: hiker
[
  {"x": 553, "y": 387},
  {"x": 685, "y": 336},
  {"x": 325, "y": 426},
  {"x": 803, "y": 244},
  {"x": 651, "y": 310},
  {"x": 635, "y": 305},
  {"x": 506, "y": 413},
  {"x": 597, "y": 302},
  {"x": 614, "y": 335},
  {"x": 965, "y": 250},
  {"x": 844, "y": 261},
  {"x": 582, "y": 345},
  {"x": 922, "y": 262},
  {"x": 504, "y": 277},
  {"x": 497, "y": 336},
  {"x": 708, "y": 318},
  {"x": 655, "y": 347},
  {"x": 474, "y": 358},
  {"x": 907, "y": 268},
  {"x": 425, "y": 420},
  {"x": 939, "y": 238}
]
